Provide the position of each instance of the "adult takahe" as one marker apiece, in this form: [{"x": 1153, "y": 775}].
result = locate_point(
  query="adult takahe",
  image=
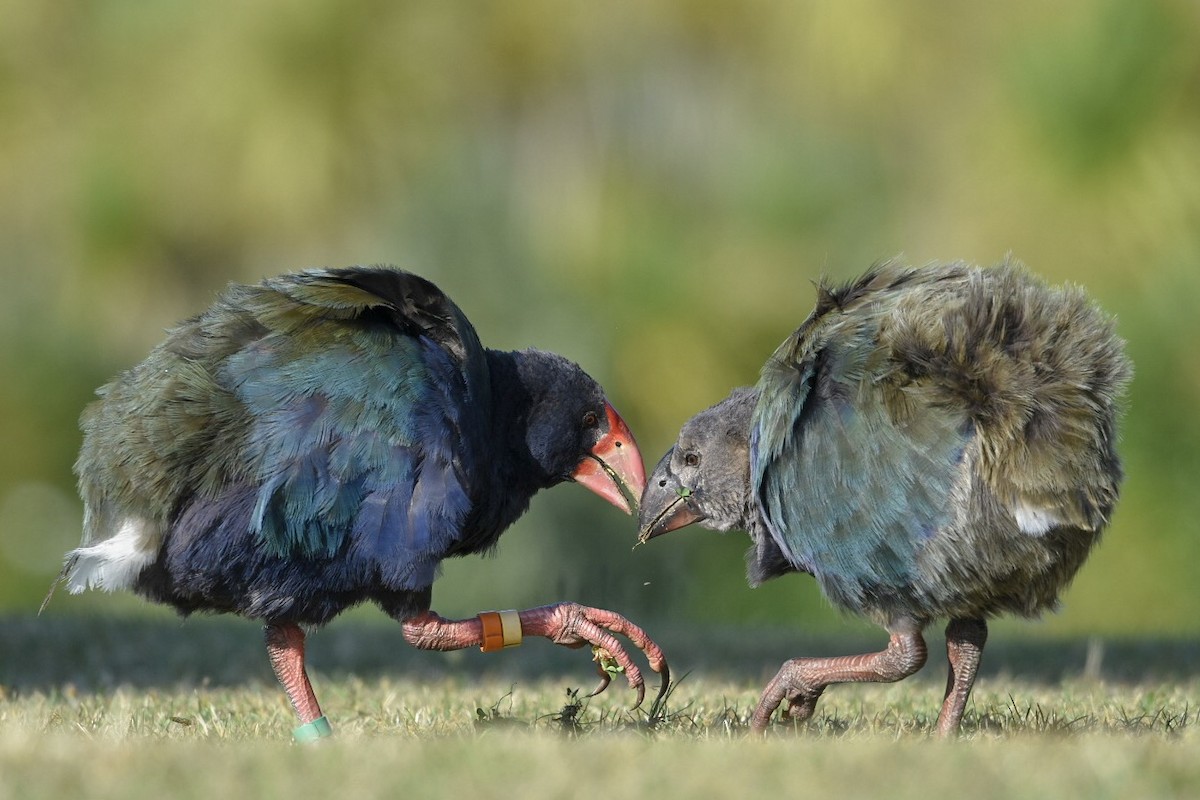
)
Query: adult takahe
[{"x": 326, "y": 438}]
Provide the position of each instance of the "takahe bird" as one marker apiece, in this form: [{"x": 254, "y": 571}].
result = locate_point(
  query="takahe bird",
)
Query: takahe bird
[
  {"x": 326, "y": 438},
  {"x": 929, "y": 443}
]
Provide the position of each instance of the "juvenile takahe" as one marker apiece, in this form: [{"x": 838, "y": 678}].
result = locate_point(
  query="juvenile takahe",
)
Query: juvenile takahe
[
  {"x": 930, "y": 443},
  {"x": 326, "y": 438}
]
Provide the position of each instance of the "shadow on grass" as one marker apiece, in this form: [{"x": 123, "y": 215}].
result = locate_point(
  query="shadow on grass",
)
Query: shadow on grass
[{"x": 96, "y": 653}]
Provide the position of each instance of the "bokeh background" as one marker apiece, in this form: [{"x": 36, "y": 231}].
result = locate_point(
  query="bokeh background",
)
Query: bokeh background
[{"x": 649, "y": 187}]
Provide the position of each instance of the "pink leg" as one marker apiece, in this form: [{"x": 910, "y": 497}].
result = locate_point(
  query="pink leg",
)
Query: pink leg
[
  {"x": 285, "y": 648},
  {"x": 965, "y": 639},
  {"x": 802, "y": 680},
  {"x": 429, "y": 631},
  {"x": 568, "y": 624}
]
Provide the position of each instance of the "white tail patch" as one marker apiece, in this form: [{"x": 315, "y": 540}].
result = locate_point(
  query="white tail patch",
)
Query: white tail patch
[
  {"x": 115, "y": 562},
  {"x": 1036, "y": 521}
]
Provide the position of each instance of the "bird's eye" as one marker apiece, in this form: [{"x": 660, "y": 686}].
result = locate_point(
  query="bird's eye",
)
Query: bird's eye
[
  {"x": 692, "y": 459},
  {"x": 590, "y": 420}
]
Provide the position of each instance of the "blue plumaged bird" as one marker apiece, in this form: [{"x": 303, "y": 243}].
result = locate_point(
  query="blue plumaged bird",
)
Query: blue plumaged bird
[
  {"x": 326, "y": 438},
  {"x": 930, "y": 443}
]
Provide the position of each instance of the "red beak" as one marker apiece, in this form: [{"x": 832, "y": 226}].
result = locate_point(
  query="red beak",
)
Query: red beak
[{"x": 613, "y": 469}]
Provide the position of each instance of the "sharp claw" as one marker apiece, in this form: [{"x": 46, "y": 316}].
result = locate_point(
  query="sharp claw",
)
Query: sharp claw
[
  {"x": 605, "y": 680},
  {"x": 605, "y": 677},
  {"x": 664, "y": 684},
  {"x": 573, "y": 625}
]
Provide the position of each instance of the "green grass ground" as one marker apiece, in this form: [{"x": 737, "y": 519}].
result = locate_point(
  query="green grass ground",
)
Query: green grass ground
[{"x": 152, "y": 707}]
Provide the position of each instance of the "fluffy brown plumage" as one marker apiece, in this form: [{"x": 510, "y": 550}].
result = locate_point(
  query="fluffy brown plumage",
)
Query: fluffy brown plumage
[{"x": 929, "y": 443}]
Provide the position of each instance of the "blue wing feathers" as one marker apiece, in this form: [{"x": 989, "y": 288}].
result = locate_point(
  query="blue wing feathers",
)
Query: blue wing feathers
[
  {"x": 362, "y": 431},
  {"x": 849, "y": 492}
]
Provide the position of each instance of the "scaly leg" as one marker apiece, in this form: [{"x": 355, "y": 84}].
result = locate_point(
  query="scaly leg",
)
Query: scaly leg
[
  {"x": 568, "y": 624},
  {"x": 285, "y": 648},
  {"x": 965, "y": 639},
  {"x": 802, "y": 680}
]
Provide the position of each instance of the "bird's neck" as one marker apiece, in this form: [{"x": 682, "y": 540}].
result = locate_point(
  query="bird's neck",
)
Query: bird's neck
[
  {"x": 514, "y": 395},
  {"x": 510, "y": 476}
]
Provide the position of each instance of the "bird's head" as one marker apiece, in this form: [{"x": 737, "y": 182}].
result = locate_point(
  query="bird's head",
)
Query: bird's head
[
  {"x": 575, "y": 434},
  {"x": 705, "y": 476}
]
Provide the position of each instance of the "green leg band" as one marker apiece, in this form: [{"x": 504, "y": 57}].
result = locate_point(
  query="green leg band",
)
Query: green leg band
[{"x": 312, "y": 731}]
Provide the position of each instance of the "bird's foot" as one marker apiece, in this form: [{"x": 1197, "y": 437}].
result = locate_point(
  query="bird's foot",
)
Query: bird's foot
[
  {"x": 574, "y": 625},
  {"x": 801, "y": 680},
  {"x": 792, "y": 683}
]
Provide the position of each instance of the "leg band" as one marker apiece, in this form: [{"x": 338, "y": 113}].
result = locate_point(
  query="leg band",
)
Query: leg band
[
  {"x": 312, "y": 731},
  {"x": 500, "y": 629}
]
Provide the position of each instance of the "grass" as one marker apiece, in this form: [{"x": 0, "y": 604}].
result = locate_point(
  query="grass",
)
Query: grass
[{"x": 150, "y": 707}]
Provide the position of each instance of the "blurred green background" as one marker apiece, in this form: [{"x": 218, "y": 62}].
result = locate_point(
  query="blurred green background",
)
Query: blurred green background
[{"x": 648, "y": 187}]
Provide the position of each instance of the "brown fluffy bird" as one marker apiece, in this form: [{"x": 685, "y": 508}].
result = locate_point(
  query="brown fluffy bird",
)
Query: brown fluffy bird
[{"x": 930, "y": 443}]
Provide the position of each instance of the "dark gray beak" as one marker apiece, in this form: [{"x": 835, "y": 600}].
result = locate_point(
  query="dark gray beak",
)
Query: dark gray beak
[{"x": 667, "y": 504}]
